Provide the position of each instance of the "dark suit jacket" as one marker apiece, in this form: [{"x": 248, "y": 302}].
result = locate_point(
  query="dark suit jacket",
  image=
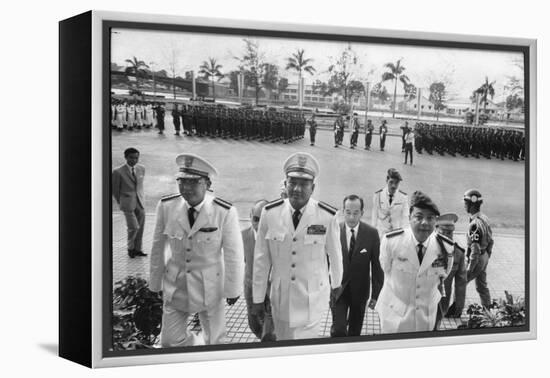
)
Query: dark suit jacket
[
  {"x": 127, "y": 191},
  {"x": 248, "y": 244},
  {"x": 365, "y": 257}
]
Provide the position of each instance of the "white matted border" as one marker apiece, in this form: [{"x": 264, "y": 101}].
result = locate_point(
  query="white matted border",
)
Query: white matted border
[{"x": 98, "y": 360}]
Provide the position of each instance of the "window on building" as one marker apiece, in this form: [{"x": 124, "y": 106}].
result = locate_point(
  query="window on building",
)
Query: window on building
[
  {"x": 308, "y": 92},
  {"x": 421, "y": 106}
]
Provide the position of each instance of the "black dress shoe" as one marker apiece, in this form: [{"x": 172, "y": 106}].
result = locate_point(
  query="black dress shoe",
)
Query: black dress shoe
[
  {"x": 139, "y": 253},
  {"x": 131, "y": 253}
]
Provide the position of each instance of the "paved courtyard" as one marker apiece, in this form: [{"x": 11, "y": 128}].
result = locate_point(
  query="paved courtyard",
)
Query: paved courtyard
[{"x": 250, "y": 170}]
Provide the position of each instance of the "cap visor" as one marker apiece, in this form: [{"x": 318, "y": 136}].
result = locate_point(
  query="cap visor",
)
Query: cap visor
[{"x": 300, "y": 175}]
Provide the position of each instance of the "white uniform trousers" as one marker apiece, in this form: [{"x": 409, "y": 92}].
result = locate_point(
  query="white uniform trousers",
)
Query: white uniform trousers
[
  {"x": 175, "y": 333},
  {"x": 283, "y": 331}
]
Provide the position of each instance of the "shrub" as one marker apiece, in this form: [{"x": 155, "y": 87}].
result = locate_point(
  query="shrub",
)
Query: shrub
[
  {"x": 137, "y": 314},
  {"x": 508, "y": 312}
]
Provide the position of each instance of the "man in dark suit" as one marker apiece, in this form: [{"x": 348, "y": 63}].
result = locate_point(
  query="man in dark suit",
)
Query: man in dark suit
[
  {"x": 127, "y": 189},
  {"x": 360, "y": 253},
  {"x": 260, "y": 325}
]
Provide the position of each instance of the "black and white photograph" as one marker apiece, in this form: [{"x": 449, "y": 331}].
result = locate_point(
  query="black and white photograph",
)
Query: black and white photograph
[{"x": 279, "y": 188}]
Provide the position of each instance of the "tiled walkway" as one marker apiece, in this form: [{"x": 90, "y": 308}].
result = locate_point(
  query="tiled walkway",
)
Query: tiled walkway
[{"x": 505, "y": 272}]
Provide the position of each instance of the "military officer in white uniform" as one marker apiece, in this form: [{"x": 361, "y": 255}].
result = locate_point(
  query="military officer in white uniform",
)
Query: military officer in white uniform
[
  {"x": 205, "y": 262},
  {"x": 295, "y": 237},
  {"x": 415, "y": 262},
  {"x": 390, "y": 206}
]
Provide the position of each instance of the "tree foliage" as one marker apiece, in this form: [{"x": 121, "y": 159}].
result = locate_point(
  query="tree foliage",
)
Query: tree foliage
[
  {"x": 211, "y": 70},
  {"x": 438, "y": 96},
  {"x": 410, "y": 91},
  {"x": 341, "y": 70},
  {"x": 299, "y": 63},
  {"x": 395, "y": 73},
  {"x": 252, "y": 65},
  {"x": 137, "y": 68},
  {"x": 380, "y": 93},
  {"x": 282, "y": 85},
  {"x": 485, "y": 91}
]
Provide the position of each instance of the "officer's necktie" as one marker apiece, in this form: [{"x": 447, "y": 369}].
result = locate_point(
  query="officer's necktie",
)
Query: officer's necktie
[
  {"x": 296, "y": 218},
  {"x": 391, "y": 198},
  {"x": 133, "y": 173},
  {"x": 419, "y": 253},
  {"x": 351, "y": 243},
  {"x": 191, "y": 215}
]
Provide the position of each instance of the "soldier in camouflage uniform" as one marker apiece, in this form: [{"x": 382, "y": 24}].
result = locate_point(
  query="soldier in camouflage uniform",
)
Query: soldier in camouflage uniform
[{"x": 480, "y": 244}]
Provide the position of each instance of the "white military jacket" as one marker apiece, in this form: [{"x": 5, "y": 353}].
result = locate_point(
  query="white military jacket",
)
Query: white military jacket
[
  {"x": 409, "y": 297},
  {"x": 386, "y": 217},
  {"x": 206, "y": 261},
  {"x": 300, "y": 284}
]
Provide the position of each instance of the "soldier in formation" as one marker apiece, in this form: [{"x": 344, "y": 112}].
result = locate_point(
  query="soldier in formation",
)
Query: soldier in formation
[
  {"x": 131, "y": 115},
  {"x": 355, "y": 126},
  {"x": 470, "y": 141},
  {"x": 338, "y": 130}
]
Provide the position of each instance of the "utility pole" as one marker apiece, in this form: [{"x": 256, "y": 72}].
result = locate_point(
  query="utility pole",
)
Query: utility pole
[
  {"x": 418, "y": 102},
  {"x": 154, "y": 84},
  {"x": 194, "y": 85},
  {"x": 367, "y": 100}
]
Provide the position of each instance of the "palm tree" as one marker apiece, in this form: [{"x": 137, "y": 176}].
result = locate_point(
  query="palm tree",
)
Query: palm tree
[
  {"x": 210, "y": 70},
  {"x": 136, "y": 68},
  {"x": 298, "y": 63},
  {"x": 395, "y": 73},
  {"x": 484, "y": 92}
]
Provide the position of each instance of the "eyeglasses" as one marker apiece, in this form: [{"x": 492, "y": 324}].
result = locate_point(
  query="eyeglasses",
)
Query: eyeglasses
[{"x": 255, "y": 219}]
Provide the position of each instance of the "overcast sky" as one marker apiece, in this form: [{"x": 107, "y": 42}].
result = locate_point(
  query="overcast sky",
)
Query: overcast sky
[{"x": 463, "y": 70}]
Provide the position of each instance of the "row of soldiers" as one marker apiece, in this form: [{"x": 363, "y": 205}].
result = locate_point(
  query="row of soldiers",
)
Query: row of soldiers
[
  {"x": 136, "y": 114},
  {"x": 469, "y": 141},
  {"x": 238, "y": 123}
]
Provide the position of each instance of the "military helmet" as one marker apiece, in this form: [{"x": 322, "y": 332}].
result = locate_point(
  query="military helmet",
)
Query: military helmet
[{"x": 473, "y": 196}]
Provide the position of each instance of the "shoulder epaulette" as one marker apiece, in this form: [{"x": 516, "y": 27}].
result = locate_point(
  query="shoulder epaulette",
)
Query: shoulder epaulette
[
  {"x": 445, "y": 239},
  {"x": 393, "y": 233},
  {"x": 459, "y": 248},
  {"x": 223, "y": 203},
  {"x": 378, "y": 191},
  {"x": 327, "y": 207},
  {"x": 275, "y": 203},
  {"x": 402, "y": 192},
  {"x": 170, "y": 197}
]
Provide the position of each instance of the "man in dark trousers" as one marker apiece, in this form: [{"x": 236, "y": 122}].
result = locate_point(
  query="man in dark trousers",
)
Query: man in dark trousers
[
  {"x": 260, "y": 324},
  {"x": 159, "y": 111},
  {"x": 355, "y": 126},
  {"x": 338, "y": 130},
  {"x": 360, "y": 254},
  {"x": 369, "y": 128},
  {"x": 312, "y": 129},
  {"x": 445, "y": 225},
  {"x": 383, "y": 131},
  {"x": 176, "y": 119},
  {"x": 127, "y": 190}
]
